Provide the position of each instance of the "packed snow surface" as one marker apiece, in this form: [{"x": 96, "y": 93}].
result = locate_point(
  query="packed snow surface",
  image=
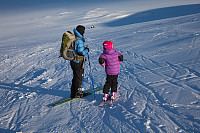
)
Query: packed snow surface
[{"x": 159, "y": 82}]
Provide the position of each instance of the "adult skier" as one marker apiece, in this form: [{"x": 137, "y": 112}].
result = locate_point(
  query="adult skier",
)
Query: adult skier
[{"x": 78, "y": 66}]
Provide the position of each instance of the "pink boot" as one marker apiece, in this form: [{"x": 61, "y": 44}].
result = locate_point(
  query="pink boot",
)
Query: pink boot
[
  {"x": 105, "y": 97},
  {"x": 113, "y": 95}
]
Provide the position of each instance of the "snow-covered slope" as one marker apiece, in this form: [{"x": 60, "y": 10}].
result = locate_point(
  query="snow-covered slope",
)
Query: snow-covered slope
[{"x": 159, "y": 81}]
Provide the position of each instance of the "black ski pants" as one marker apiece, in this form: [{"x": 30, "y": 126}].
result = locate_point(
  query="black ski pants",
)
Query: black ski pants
[
  {"x": 78, "y": 73},
  {"x": 111, "y": 82}
]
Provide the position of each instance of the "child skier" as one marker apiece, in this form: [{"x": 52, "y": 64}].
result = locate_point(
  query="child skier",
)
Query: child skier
[{"x": 111, "y": 59}]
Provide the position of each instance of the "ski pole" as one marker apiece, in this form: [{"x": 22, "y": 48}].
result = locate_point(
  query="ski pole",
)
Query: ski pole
[
  {"x": 91, "y": 76},
  {"x": 82, "y": 88}
]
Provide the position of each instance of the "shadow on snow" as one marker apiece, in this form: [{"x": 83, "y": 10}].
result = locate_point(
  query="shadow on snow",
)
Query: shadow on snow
[
  {"x": 156, "y": 14},
  {"x": 38, "y": 90}
]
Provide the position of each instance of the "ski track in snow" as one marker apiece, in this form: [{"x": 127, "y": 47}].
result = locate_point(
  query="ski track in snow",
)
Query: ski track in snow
[{"x": 159, "y": 81}]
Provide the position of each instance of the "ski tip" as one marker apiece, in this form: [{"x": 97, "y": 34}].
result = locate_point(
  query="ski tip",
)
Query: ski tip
[
  {"x": 111, "y": 102},
  {"x": 101, "y": 104},
  {"x": 49, "y": 106}
]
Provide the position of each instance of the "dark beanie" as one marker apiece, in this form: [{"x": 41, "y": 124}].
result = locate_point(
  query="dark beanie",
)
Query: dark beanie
[{"x": 80, "y": 29}]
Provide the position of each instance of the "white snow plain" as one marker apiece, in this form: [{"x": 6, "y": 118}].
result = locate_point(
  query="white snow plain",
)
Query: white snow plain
[{"x": 159, "y": 82}]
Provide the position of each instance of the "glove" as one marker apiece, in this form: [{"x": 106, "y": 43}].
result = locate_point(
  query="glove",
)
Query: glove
[{"x": 87, "y": 48}]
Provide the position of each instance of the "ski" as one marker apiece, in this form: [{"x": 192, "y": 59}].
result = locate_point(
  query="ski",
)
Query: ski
[
  {"x": 101, "y": 104},
  {"x": 111, "y": 102},
  {"x": 86, "y": 93},
  {"x": 104, "y": 102}
]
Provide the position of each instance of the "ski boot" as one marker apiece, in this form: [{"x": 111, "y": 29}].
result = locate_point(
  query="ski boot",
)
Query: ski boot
[
  {"x": 105, "y": 97},
  {"x": 113, "y": 96},
  {"x": 79, "y": 93}
]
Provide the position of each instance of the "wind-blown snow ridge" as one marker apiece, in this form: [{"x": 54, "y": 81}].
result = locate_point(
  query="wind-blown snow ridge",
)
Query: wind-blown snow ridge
[{"x": 156, "y": 14}]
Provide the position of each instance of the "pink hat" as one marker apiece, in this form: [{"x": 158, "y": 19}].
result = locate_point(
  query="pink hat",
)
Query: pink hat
[{"x": 108, "y": 45}]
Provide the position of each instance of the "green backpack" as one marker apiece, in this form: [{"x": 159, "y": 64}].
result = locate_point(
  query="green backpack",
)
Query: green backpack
[{"x": 68, "y": 46}]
